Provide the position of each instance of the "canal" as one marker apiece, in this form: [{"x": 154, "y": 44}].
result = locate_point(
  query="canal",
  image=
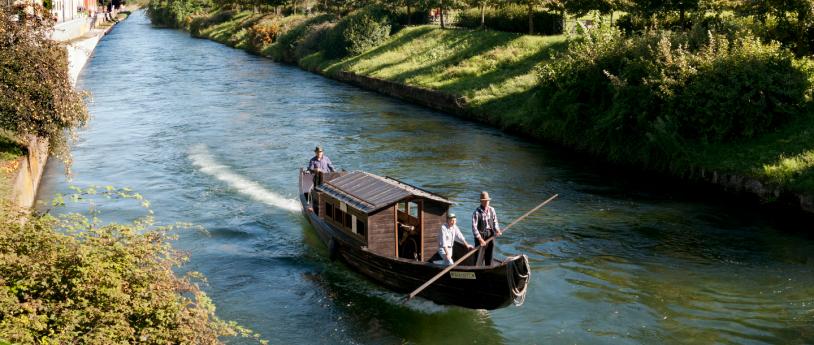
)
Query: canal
[{"x": 214, "y": 136}]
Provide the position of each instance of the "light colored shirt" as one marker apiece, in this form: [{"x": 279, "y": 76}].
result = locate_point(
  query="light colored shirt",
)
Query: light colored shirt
[
  {"x": 488, "y": 217},
  {"x": 447, "y": 239}
]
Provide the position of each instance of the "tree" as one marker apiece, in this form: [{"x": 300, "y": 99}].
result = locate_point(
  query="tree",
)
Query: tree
[
  {"x": 443, "y": 6},
  {"x": 480, "y": 4},
  {"x": 532, "y": 5},
  {"x": 37, "y": 97}
]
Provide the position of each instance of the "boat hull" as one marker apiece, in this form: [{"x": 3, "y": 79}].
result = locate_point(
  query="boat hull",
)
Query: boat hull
[{"x": 476, "y": 287}]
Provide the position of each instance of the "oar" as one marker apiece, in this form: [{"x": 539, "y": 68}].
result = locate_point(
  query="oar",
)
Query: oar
[{"x": 456, "y": 263}]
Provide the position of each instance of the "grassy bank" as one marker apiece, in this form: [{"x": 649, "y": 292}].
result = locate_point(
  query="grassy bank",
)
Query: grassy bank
[{"x": 501, "y": 78}]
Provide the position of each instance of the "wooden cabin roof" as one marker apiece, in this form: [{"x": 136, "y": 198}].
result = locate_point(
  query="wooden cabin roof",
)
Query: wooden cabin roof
[{"x": 369, "y": 193}]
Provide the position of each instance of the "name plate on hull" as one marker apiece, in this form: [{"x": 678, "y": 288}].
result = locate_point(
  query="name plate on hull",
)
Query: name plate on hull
[{"x": 462, "y": 275}]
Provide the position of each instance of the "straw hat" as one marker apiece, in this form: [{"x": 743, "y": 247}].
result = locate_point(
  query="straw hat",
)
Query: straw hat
[
  {"x": 318, "y": 149},
  {"x": 485, "y": 196}
]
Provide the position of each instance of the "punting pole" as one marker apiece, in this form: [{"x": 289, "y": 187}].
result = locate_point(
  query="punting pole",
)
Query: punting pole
[{"x": 467, "y": 255}]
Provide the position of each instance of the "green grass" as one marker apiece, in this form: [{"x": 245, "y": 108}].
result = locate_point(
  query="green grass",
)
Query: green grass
[
  {"x": 496, "y": 74},
  {"x": 480, "y": 65},
  {"x": 784, "y": 157}
]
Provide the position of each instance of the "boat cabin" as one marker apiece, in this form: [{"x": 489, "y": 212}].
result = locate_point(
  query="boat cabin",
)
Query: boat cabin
[{"x": 389, "y": 217}]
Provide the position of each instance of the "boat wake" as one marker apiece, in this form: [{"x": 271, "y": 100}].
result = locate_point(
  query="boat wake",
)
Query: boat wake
[{"x": 206, "y": 163}]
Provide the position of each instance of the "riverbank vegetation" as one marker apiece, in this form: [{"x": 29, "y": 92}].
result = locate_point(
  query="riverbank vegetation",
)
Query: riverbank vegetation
[
  {"x": 684, "y": 87},
  {"x": 72, "y": 278},
  {"x": 37, "y": 98}
]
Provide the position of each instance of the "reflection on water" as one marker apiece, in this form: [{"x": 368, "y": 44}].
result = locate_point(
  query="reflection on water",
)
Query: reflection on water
[{"x": 215, "y": 136}]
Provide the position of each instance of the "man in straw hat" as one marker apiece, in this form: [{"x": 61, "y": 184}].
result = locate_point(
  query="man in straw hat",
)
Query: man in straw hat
[
  {"x": 484, "y": 227},
  {"x": 320, "y": 163},
  {"x": 450, "y": 233}
]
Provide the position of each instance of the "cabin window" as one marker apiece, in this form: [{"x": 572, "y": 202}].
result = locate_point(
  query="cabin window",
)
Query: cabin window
[
  {"x": 339, "y": 216},
  {"x": 403, "y": 207},
  {"x": 412, "y": 209},
  {"x": 329, "y": 210},
  {"x": 360, "y": 227},
  {"x": 348, "y": 220}
]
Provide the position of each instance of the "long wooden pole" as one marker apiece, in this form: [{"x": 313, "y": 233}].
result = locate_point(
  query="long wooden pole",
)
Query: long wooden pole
[{"x": 473, "y": 251}]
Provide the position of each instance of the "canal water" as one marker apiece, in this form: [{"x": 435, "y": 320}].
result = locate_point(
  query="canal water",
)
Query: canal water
[{"x": 214, "y": 136}]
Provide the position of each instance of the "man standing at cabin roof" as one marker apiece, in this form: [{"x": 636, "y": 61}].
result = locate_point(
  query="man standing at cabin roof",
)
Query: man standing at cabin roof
[
  {"x": 320, "y": 163},
  {"x": 449, "y": 233},
  {"x": 484, "y": 227}
]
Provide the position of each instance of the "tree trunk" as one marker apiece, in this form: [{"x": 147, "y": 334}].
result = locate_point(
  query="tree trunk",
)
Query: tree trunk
[
  {"x": 483, "y": 15},
  {"x": 441, "y": 12},
  {"x": 409, "y": 16},
  {"x": 564, "y": 23},
  {"x": 611, "y": 18},
  {"x": 531, "y": 17},
  {"x": 681, "y": 15}
]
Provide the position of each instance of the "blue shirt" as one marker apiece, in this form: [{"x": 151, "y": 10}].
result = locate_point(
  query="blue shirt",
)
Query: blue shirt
[{"x": 323, "y": 165}]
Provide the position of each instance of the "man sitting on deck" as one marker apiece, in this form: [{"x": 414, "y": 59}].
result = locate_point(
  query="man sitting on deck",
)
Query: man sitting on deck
[{"x": 449, "y": 233}]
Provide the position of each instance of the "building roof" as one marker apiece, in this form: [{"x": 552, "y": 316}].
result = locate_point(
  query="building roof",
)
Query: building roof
[{"x": 369, "y": 193}]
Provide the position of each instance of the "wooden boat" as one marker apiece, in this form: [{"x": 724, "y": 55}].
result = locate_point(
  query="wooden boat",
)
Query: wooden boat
[{"x": 388, "y": 231}]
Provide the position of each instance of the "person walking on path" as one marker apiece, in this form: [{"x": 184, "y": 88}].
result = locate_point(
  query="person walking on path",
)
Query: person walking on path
[{"x": 484, "y": 227}]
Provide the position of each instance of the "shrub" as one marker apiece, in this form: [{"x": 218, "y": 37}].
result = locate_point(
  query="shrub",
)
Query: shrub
[
  {"x": 74, "y": 280},
  {"x": 609, "y": 94},
  {"x": 314, "y": 39},
  {"x": 512, "y": 18},
  {"x": 417, "y": 17},
  {"x": 199, "y": 23},
  {"x": 176, "y": 13},
  {"x": 263, "y": 33},
  {"x": 288, "y": 41},
  {"x": 356, "y": 33},
  {"x": 37, "y": 97}
]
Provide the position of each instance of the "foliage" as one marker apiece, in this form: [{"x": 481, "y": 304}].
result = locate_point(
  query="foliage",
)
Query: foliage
[
  {"x": 37, "y": 97},
  {"x": 72, "y": 279},
  {"x": 288, "y": 41},
  {"x": 358, "y": 32},
  {"x": 176, "y": 13},
  {"x": 512, "y": 18},
  {"x": 642, "y": 98}
]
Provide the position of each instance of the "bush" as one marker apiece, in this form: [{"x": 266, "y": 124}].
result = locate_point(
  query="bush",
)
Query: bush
[
  {"x": 512, "y": 18},
  {"x": 263, "y": 34},
  {"x": 640, "y": 99},
  {"x": 417, "y": 17},
  {"x": 288, "y": 41},
  {"x": 176, "y": 13},
  {"x": 314, "y": 39},
  {"x": 73, "y": 280},
  {"x": 356, "y": 33},
  {"x": 199, "y": 23},
  {"x": 37, "y": 97}
]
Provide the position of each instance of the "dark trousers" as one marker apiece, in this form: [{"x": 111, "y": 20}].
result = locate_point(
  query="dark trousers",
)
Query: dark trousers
[{"x": 485, "y": 253}]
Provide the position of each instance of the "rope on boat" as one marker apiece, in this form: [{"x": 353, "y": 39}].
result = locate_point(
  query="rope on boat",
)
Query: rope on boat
[{"x": 518, "y": 274}]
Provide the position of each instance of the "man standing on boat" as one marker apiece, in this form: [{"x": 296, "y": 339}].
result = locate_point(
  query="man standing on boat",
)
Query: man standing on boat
[
  {"x": 449, "y": 233},
  {"x": 320, "y": 163},
  {"x": 484, "y": 227}
]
